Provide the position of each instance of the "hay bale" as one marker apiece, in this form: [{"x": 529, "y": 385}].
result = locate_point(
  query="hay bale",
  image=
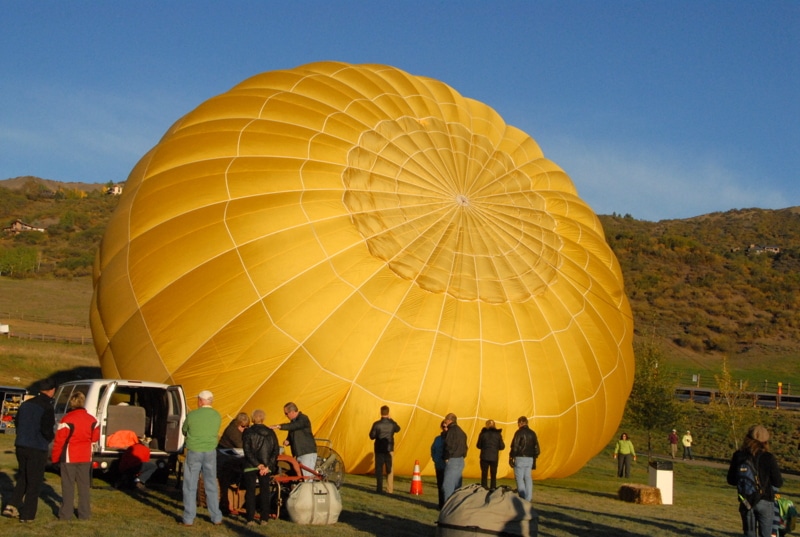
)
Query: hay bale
[{"x": 635, "y": 493}]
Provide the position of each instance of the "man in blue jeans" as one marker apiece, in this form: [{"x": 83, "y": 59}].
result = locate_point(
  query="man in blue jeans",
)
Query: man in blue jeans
[
  {"x": 524, "y": 451},
  {"x": 201, "y": 428},
  {"x": 455, "y": 449}
]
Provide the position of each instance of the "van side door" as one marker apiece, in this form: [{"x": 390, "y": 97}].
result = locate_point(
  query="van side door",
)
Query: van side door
[
  {"x": 176, "y": 413},
  {"x": 104, "y": 399}
]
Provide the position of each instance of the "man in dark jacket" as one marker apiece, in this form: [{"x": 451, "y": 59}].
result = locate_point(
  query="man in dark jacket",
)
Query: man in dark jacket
[
  {"x": 524, "y": 451},
  {"x": 382, "y": 432},
  {"x": 300, "y": 438},
  {"x": 490, "y": 444},
  {"x": 35, "y": 428},
  {"x": 261, "y": 462},
  {"x": 455, "y": 449}
]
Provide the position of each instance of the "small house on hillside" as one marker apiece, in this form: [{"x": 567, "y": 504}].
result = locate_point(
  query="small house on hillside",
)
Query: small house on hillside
[
  {"x": 114, "y": 190},
  {"x": 18, "y": 226},
  {"x": 758, "y": 249}
]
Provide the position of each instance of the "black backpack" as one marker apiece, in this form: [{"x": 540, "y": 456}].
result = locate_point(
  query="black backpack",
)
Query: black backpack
[{"x": 748, "y": 485}]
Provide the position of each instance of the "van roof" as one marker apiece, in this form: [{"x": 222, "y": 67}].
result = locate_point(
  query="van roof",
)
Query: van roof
[{"x": 121, "y": 382}]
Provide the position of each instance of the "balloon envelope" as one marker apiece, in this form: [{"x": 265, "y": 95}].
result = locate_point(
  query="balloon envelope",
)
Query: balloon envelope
[{"x": 347, "y": 236}]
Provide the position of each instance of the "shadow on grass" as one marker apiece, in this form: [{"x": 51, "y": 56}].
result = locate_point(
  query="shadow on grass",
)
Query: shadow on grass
[
  {"x": 390, "y": 526},
  {"x": 583, "y": 523},
  {"x": 403, "y": 497},
  {"x": 47, "y": 493}
]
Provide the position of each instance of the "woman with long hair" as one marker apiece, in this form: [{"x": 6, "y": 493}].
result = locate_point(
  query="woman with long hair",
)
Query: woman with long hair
[{"x": 623, "y": 452}]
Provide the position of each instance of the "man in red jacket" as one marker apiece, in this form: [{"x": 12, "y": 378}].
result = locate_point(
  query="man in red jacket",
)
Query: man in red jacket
[
  {"x": 135, "y": 464},
  {"x": 72, "y": 448}
]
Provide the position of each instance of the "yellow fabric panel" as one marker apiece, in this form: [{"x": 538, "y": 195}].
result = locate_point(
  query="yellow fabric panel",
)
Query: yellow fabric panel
[{"x": 346, "y": 236}]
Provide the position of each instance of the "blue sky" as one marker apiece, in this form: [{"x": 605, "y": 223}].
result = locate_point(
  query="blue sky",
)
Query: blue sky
[{"x": 658, "y": 109}]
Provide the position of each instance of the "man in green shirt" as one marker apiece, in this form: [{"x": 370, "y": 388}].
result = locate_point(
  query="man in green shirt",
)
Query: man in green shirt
[{"x": 201, "y": 428}]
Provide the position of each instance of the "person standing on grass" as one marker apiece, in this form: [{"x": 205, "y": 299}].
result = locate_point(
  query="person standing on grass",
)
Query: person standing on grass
[
  {"x": 623, "y": 452},
  {"x": 300, "y": 438},
  {"x": 490, "y": 444},
  {"x": 687, "y": 445},
  {"x": 673, "y": 443},
  {"x": 757, "y": 518},
  {"x": 72, "y": 451},
  {"x": 524, "y": 452},
  {"x": 34, "y": 426},
  {"x": 201, "y": 428},
  {"x": 261, "y": 451},
  {"x": 230, "y": 463},
  {"x": 455, "y": 450},
  {"x": 382, "y": 433},
  {"x": 437, "y": 455}
]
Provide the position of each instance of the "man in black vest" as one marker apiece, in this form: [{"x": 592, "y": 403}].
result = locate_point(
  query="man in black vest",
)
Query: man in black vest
[{"x": 382, "y": 433}]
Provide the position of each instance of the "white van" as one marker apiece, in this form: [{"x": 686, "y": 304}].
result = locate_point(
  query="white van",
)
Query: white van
[{"x": 145, "y": 408}]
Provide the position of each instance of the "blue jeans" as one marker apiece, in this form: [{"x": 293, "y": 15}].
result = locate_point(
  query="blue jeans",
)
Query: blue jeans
[
  {"x": 523, "y": 466},
  {"x": 761, "y": 513},
  {"x": 198, "y": 462},
  {"x": 309, "y": 460},
  {"x": 452, "y": 476}
]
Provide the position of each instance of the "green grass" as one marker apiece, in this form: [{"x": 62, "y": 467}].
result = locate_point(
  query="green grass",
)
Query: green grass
[
  {"x": 584, "y": 504},
  {"x": 52, "y": 301},
  {"x": 23, "y": 362}
]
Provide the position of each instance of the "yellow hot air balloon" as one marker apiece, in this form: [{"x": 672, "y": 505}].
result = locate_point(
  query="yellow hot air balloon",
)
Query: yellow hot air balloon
[{"x": 347, "y": 236}]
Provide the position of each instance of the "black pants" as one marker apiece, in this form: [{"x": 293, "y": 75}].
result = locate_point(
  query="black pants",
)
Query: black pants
[
  {"x": 229, "y": 472},
  {"x": 264, "y": 496},
  {"x": 624, "y": 465},
  {"x": 382, "y": 460},
  {"x": 439, "y": 479},
  {"x": 489, "y": 467},
  {"x": 31, "y": 464}
]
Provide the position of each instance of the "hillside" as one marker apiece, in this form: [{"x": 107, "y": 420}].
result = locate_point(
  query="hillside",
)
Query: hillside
[
  {"x": 698, "y": 286},
  {"x": 703, "y": 287},
  {"x": 73, "y": 215}
]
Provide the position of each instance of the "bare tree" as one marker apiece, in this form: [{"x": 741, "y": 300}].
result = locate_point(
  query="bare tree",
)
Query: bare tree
[{"x": 733, "y": 409}]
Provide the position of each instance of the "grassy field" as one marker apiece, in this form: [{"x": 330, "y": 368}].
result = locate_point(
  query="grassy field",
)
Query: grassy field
[
  {"x": 53, "y": 302},
  {"x": 23, "y": 362},
  {"x": 584, "y": 504}
]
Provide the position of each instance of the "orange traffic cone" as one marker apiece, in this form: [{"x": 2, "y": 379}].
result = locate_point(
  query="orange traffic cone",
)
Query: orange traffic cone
[{"x": 416, "y": 480}]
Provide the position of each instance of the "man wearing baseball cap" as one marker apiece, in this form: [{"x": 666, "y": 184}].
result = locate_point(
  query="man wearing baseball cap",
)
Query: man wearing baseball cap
[
  {"x": 35, "y": 428},
  {"x": 201, "y": 428}
]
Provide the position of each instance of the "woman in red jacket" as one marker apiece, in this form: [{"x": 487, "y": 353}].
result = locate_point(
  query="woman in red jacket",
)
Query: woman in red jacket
[{"x": 72, "y": 448}]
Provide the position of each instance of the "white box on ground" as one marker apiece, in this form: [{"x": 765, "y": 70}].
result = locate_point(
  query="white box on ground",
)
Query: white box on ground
[{"x": 660, "y": 476}]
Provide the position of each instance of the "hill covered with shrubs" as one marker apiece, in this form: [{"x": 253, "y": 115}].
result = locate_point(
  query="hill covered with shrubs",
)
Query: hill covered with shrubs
[{"x": 718, "y": 284}]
